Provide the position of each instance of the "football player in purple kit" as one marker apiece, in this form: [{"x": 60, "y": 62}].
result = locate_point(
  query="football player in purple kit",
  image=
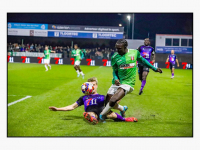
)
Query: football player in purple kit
[
  {"x": 93, "y": 105},
  {"x": 146, "y": 51},
  {"x": 172, "y": 59}
]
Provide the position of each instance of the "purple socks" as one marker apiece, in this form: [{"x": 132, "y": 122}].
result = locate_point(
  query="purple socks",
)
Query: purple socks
[
  {"x": 172, "y": 74},
  {"x": 143, "y": 84},
  {"x": 119, "y": 118}
]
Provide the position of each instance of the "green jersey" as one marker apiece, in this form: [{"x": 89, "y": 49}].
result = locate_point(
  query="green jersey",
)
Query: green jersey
[
  {"x": 11, "y": 52},
  {"x": 125, "y": 68},
  {"x": 47, "y": 54},
  {"x": 77, "y": 54}
]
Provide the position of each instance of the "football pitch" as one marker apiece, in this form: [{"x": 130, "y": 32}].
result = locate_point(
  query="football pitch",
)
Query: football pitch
[{"x": 164, "y": 108}]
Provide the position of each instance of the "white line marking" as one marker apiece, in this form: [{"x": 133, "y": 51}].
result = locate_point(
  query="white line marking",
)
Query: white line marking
[
  {"x": 16, "y": 95},
  {"x": 19, "y": 100}
]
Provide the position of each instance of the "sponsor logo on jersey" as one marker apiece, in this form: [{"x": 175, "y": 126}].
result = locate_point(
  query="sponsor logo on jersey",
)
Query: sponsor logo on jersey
[
  {"x": 119, "y": 60},
  {"x": 132, "y": 57},
  {"x": 127, "y": 66}
]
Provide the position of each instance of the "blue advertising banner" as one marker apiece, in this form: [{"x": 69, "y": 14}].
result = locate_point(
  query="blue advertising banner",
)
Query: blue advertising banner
[
  {"x": 27, "y": 26},
  {"x": 67, "y": 31},
  {"x": 84, "y": 35},
  {"x": 85, "y": 28},
  {"x": 178, "y": 50}
]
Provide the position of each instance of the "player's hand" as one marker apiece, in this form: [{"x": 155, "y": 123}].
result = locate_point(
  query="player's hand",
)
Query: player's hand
[
  {"x": 159, "y": 70},
  {"x": 53, "y": 108},
  {"x": 178, "y": 65},
  {"x": 117, "y": 82},
  {"x": 153, "y": 61}
]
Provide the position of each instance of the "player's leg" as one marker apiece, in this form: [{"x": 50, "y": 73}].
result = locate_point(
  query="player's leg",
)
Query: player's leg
[
  {"x": 144, "y": 77},
  {"x": 121, "y": 108},
  {"x": 49, "y": 63},
  {"x": 80, "y": 71},
  {"x": 117, "y": 117},
  {"x": 91, "y": 117},
  {"x": 172, "y": 71},
  {"x": 140, "y": 71},
  {"x": 76, "y": 68},
  {"x": 45, "y": 64},
  {"x": 120, "y": 93}
]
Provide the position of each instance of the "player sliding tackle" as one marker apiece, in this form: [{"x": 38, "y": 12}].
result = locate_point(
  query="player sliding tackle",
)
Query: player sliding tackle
[
  {"x": 93, "y": 105},
  {"x": 124, "y": 75}
]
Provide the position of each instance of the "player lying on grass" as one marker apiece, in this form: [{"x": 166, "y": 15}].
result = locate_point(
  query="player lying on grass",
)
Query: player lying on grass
[
  {"x": 124, "y": 75},
  {"x": 93, "y": 105}
]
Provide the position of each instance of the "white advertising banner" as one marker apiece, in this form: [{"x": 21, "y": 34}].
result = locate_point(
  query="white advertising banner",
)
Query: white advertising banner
[
  {"x": 36, "y": 54},
  {"x": 27, "y": 32},
  {"x": 19, "y": 32},
  {"x": 40, "y": 33}
]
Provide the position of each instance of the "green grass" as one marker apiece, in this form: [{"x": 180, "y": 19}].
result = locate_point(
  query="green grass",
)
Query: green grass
[{"x": 164, "y": 109}]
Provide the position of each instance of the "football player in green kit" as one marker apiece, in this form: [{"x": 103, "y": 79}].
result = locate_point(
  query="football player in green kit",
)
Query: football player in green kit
[
  {"x": 124, "y": 75},
  {"x": 47, "y": 57},
  {"x": 77, "y": 54}
]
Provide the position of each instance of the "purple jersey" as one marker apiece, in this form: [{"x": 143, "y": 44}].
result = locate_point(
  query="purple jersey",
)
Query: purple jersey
[
  {"x": 91, "y": 101},
  {"x": 146, "y": 51},
  {"x": 172, "y": 59}
]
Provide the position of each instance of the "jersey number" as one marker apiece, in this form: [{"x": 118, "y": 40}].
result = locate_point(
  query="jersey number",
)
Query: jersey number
[
  {"x": 93, "y": 101},
  {"x": 10, "y": 59},
  {"x": 146, "y": 56}
]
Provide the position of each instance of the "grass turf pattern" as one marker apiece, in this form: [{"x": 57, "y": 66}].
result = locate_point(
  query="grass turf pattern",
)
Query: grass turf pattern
[{"x": 164, "y": 108}]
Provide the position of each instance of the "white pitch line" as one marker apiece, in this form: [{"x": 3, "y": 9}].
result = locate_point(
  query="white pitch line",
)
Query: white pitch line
[
  {"x": 16, "y": 95},
  {"x": 19, "y": 100}
]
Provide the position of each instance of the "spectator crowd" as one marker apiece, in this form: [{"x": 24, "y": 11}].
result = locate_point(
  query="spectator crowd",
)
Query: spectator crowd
[{"x": 92, "y": 53}]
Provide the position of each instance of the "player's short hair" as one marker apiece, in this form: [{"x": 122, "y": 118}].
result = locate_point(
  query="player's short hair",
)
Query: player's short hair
[
  {"x": 76, "y": 45},
  {"x": 122, "y": 41},
  {"x": 93, "y": 79}
]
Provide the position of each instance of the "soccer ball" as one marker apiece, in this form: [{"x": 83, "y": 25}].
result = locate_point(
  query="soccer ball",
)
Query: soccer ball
[{"x": 87, "y": 88}]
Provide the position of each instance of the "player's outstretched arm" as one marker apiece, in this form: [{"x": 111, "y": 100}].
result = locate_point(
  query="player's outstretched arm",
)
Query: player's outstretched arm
[
  {"x": 177, "y": 62},
  {"x": 153, "y": 58},
  {"x": 82, "y": 55},
  {"x": 167, "y": 59},
  {"x": 147, "y": 64},
  {"x": 67, "y": 108},
  {"x": 114, "y": 67}
]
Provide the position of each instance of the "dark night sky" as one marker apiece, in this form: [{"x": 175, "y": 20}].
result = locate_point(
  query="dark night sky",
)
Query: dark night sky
[{"x": 160, "y": 23}]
